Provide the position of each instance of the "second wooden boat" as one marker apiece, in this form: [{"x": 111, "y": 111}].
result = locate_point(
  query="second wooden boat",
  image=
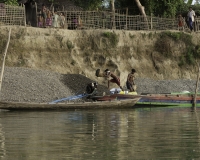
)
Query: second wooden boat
[{"x": 170, "y": 99}]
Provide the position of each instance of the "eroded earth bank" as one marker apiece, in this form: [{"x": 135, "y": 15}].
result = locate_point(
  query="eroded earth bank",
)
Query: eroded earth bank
[{"x": 47, "y": 64}]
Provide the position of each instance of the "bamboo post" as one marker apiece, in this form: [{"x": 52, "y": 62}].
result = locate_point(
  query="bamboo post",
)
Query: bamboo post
[
  {"x": 36, "y": 14},
  {"x": 197, "y": 83},
  {"x": 151, "y": 22},
  {"x": 126, "y": 18},
  {"x": 24, "y": 15},
  {"x": 4, "y": 58}
]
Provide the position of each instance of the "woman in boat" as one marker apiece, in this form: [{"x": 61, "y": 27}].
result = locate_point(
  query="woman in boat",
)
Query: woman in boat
[{"x": 114, "y": 79}]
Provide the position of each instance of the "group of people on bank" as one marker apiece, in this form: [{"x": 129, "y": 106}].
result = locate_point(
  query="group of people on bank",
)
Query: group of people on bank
[
  {"x": 50, "y": 18},
  {"x": 190, "y": 20}
]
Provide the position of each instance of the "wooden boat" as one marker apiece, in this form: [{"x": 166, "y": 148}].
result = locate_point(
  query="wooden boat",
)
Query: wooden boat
[
  {"x": 79, "y": 105},
  {"x": 169, "y": 99}
]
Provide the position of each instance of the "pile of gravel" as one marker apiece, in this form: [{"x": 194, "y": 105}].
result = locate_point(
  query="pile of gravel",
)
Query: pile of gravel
[
  {"x": 28, "y": 85},
  {"x": 145, "y": 85}
]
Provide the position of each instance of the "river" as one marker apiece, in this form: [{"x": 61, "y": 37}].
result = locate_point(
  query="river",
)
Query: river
[{"x": 142, "y": 133}]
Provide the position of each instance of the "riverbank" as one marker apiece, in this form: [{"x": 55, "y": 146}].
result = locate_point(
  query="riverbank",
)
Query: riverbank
[
  {"x": 29, "y": 85},
  {"x": 159, "y": 55}
]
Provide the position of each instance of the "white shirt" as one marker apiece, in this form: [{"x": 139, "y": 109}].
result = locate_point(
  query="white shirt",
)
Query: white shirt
[{"x": 191, "y": 15}]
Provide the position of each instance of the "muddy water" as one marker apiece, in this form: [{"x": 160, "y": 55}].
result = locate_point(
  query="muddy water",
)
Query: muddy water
[{"x": 148, "y": 133}]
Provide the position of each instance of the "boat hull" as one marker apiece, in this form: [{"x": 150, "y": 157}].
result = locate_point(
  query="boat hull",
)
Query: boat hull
[
  {"x": 156, "y": 99},
  {"x": 169, "y": 100},
  {"x": 60, "y": 106}
]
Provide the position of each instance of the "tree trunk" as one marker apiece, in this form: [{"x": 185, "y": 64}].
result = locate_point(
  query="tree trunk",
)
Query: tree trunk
[
  {"x": 112, "y": 14},
  {"x": 141, "y": 8},
  {"x": 142, "y": 11}
]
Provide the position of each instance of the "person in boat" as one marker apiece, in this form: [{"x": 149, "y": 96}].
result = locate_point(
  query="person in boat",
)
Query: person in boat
[
  {"x": 114, "y": 79},
  {"x": 91, "y": 88},
  {"x": 130, "y": 83}
]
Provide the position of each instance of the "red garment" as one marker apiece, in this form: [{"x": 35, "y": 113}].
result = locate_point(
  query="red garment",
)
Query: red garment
[
  {"x": 117, "y": 81},
  {"x": 180, "y": 23}
]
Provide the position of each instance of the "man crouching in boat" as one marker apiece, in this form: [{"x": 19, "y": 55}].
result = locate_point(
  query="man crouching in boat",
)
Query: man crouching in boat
[
  {"x": 130, "y": 84},
  {"x": 114, "y": 79}
]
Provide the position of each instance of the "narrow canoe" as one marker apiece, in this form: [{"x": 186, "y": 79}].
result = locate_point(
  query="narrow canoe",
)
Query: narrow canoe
[
  {"x": 79, "y": 105},
  {"x": 168, "y": 100},
  {"x": 182, "y": 100}
]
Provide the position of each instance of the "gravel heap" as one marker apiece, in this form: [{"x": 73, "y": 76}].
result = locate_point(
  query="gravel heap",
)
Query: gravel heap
[
  {"x": 145, "y": 85},
  {"x": 28, "y": 85}
]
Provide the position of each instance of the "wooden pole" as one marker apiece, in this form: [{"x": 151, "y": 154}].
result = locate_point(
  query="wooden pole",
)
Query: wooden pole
[
  {"x": 4, "y": 58},
  {"x": 126, "y": 18},
  {"x": 112, "y": 14},
  {"x": 24, "y": 15},
  {"x": 197, "y": 83},
  {"x": 36, "y": 14},
  {"x": 151, "y": 21}
]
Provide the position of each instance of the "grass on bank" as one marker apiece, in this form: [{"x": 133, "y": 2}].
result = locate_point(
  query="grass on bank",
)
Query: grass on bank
[{"x": 190, "y": 52}]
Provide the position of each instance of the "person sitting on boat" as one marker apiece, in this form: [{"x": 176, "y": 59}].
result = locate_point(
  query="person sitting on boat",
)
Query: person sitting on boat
[
  {"x": 91, "y": 88},
  {"x": 130, "y": 84},
  {"x": 114, "y": 79}
]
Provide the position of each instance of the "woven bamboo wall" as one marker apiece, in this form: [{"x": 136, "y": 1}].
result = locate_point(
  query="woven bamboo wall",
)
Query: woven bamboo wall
[{"x": 12, "y": 15}]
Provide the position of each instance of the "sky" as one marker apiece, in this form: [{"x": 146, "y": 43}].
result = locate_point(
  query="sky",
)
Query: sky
[{"x": 193, "y": 1}]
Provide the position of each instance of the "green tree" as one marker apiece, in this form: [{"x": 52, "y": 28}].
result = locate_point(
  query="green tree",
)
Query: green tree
[
  {"x": 189, "y": 2},
  {"x": 11, "y": 2},
  {"x": 164, "y": 8},
  {"x": 89, "y": 4}
]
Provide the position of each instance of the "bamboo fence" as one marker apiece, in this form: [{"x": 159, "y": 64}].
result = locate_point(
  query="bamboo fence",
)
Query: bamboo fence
[
  {"x": 103, "y": 20},
  {"x": 12, "y": 15},
  {"x": 123, "y": 20}
]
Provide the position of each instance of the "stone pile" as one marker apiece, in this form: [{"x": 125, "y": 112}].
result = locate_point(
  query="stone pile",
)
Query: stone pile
[
  {"x": 28, "y": 85},
  {"x": 145, "y": 85}
]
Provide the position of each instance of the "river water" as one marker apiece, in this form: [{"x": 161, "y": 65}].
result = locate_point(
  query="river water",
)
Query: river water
[{"x": 142, "y": 133}]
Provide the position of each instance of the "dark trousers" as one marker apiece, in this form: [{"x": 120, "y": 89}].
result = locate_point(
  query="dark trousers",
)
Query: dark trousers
[{"x": 190, "y": 24}]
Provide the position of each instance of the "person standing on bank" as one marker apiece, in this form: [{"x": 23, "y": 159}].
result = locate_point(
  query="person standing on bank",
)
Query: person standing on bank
[
  {"x": 180, "y": 22},
  {"x": 191, "y": 15},
  {"x": 130, "y": 84},
  {"x": 114, "y": 79},
  {"x": 44, "y": 15},
  {"x": 55, "y": 20}
]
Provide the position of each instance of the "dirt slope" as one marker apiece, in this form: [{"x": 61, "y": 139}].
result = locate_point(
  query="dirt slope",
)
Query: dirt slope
[{"x": 82, "y": 52}]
